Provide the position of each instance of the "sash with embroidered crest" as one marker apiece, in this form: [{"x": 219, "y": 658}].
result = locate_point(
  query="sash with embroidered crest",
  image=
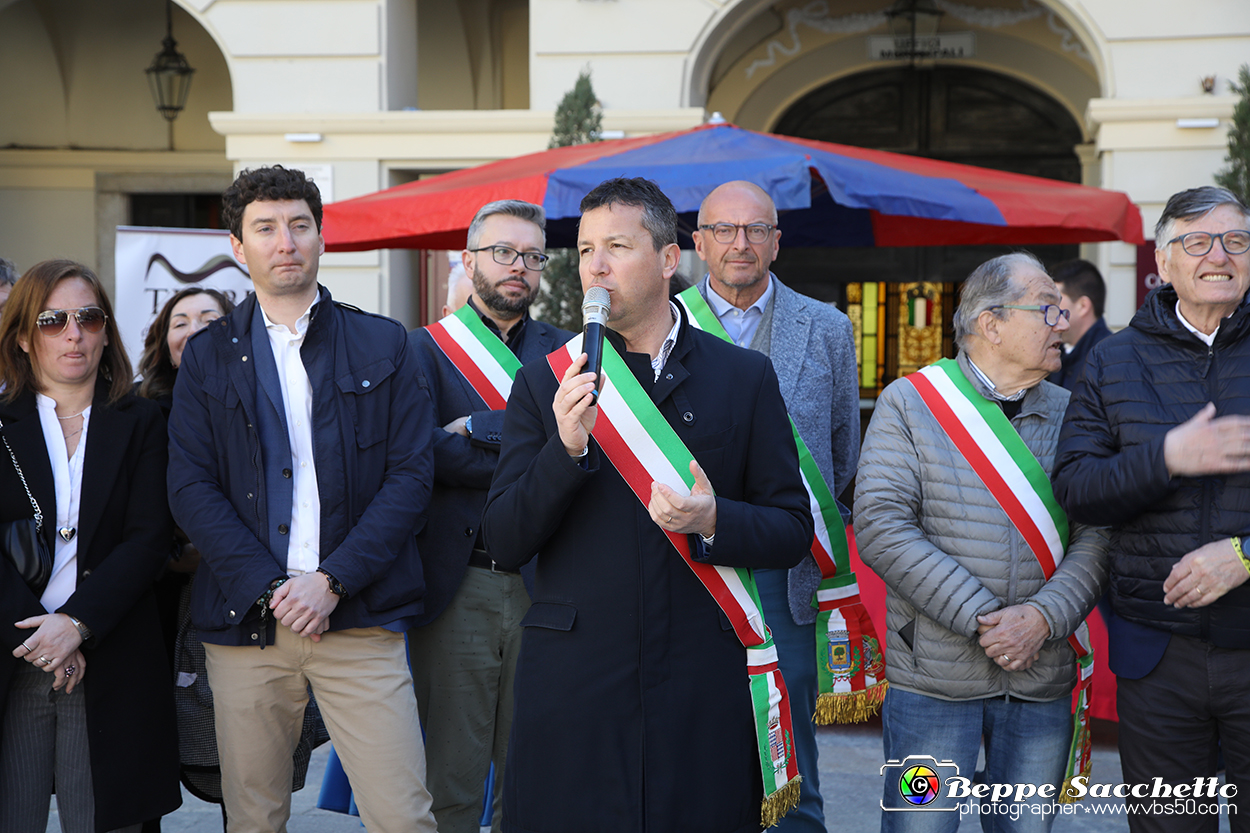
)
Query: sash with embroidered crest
[
  {"x": 483, "y": 360},
  {"x": 988, "y": 441},
  {"x": 850, "y": 668},
  {"x": 641, "y": 445}
]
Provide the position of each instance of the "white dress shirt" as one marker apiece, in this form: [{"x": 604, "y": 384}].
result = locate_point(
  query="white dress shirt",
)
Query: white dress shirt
[
  {"x": 1208, "y": 340},
  {"x": 670, "y": 341},
  {"x": 67, "y": 479},
  {"x": 740, "y": 324},
  {"x": 303, "y": 553}
]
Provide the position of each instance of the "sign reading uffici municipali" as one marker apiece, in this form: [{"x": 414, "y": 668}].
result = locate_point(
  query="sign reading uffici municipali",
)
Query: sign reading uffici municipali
[{"x": 945, "y": 45}]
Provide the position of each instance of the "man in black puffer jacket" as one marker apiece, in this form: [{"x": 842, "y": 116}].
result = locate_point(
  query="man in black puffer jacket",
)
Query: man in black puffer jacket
[{"x": 1156, "y": 444}]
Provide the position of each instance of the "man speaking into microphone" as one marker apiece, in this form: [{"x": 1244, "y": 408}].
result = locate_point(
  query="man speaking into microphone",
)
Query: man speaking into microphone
[{"x": 647, "y": 695}]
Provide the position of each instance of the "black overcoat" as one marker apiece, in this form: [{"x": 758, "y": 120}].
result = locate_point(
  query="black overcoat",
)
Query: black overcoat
[
  {"x": 632, "y": 702},
  {"x": 124, "y": 532}
]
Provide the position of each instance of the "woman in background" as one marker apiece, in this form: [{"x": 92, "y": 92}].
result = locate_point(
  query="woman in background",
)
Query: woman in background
[
  {"x": 186, "y": 313},
  {"x": 85, "y": 694}
]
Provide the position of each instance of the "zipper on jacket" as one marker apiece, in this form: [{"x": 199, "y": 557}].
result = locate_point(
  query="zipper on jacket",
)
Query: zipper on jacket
[{"x": 1204, "y": 613}]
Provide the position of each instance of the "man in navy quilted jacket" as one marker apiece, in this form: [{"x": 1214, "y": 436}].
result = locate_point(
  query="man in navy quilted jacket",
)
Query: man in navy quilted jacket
[{"x": 1156, "y": 444}]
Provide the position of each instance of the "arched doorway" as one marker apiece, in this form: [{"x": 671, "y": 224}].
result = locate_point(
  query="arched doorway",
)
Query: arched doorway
[
  {"x": 901, "y": 299},
  {"x": 958, "y": 114}
]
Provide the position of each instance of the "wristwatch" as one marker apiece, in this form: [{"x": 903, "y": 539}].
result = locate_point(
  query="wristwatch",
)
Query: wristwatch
[
  {"x": 336, "y": 587},
  {"x": 468, "y": 425},
  {"x": 83, "y": 630}
]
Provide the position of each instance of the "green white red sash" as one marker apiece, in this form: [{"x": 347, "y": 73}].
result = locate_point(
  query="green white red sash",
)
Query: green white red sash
[
  {"x": 643, "y": 448},
  {"x": 850, "y": 667},
  {"x": 988, "y": 441},
  {"x": 482, "y": 358}
]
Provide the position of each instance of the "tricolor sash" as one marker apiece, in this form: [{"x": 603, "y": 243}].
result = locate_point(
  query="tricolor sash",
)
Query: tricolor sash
[
  {"x": 643, "y": 448},
  {"x": 850, "y": 667},
  {"x": 482, "y": 358},
  {"x": 988, "y": 441}
]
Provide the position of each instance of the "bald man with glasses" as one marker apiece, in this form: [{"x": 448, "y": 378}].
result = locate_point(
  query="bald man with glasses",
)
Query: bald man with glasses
[{"x": 813, "y": 351}]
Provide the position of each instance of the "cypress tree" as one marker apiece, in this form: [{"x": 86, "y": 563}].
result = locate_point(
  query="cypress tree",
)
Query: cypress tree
[
  {"x": 578, "y": 121},
  {"x": 578, "y": 118},
  {"x": 1236, "y": 176}
]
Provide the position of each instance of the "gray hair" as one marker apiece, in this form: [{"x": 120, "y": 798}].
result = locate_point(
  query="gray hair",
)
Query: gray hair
[
  {"x": 8, "y": 272},
  {"x": 1192, "y": 204},
  {"x": 991, "y": 284},
  {"x": 513, "y": 208}
]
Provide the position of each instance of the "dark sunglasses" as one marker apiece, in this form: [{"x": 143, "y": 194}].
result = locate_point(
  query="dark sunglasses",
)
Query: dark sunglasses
[{"x": 52, "y": 322}]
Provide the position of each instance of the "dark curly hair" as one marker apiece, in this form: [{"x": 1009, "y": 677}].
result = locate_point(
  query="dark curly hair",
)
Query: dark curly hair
[
  {"x": 271, "y": 185},
  {"x": 20, "y": 319},
  {"x": 156, "y": 366}
]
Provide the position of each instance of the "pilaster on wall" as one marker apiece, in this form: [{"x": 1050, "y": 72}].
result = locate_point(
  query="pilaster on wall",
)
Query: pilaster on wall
[{"x": 1151, "y": 149}]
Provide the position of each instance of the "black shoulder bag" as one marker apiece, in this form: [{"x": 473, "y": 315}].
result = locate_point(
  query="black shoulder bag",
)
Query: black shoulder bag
[{"x": 22, "y": 541}]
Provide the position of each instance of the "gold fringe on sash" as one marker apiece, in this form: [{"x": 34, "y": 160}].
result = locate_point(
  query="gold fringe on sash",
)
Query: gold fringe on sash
[
  {"x": 780, "y": 803},
  {"x": 1066, "y": 793},
  {"x": 851, "y": 706}
]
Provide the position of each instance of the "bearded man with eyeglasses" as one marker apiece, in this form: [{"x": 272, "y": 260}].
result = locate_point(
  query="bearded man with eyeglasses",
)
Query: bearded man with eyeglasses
[
  {"x": 1156, "y": 445},
  {"x": 465, "y": 646}
]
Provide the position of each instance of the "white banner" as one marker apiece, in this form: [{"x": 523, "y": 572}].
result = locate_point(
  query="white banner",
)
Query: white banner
[{"x": 154, "y": 263}]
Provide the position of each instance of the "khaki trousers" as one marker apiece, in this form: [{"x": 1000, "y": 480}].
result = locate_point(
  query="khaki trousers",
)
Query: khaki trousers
[{"x": 364, "y": 689}]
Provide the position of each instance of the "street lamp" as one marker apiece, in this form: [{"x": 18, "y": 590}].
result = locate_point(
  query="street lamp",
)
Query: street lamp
[
  {"x": 170, "y": 74},
  {"x": 914, "y": 22}
]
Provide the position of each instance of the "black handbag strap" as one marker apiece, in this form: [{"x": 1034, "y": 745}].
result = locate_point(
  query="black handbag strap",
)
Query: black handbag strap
[{"x": 33, "y": 503}]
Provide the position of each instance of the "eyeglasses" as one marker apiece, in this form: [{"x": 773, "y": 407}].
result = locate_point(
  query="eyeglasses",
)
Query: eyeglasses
[
  {"x": 728, "y": 232},
  {"x": 1198, "y": 243},
  {"x": 1051, "y": 313},
  {"x": 52, "y": 322},
  {"x": 506, "y": 256}
]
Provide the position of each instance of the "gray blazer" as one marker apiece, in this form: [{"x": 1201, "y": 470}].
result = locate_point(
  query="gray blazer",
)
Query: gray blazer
[{"x": 812, "y": 348}]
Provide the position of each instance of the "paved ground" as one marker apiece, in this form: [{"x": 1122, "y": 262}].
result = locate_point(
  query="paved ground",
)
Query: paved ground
[{"x": 850, "y": 762}]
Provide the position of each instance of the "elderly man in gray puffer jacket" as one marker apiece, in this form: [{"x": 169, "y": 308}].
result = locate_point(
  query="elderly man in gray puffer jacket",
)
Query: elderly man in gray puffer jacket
[{"x": 977, "y": 643}]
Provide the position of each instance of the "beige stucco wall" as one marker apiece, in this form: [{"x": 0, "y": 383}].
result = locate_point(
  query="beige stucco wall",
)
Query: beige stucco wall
[
  {"x": 77, "y": 108},
  {"x": 488, "y": 74}
]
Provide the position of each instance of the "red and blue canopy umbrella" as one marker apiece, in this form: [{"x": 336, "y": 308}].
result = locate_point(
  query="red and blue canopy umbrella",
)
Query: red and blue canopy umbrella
[{"x": 826, "y": 194}]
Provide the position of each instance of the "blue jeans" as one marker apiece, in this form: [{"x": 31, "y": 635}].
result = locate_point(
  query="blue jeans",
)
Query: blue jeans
[
  {"x": 796, "y": 655},
  {"x": 1025, "y": 743}
]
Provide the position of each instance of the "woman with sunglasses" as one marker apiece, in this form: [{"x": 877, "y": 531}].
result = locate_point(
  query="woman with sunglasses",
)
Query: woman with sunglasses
[{"x": 85, "y": 694}]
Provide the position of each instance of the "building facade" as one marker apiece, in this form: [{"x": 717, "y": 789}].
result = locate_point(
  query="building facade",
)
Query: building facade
[{"x": 372, "y": 93}]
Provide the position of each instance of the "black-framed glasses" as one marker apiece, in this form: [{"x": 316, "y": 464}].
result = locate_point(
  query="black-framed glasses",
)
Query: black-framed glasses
[
  {"x": 52, "y": 322},
  {"x": 1051, "y": 313},
  {"x": 506, "y": 256},
  {"x": 728, "y": 232},
  {"x": 1198, "y": 243}
]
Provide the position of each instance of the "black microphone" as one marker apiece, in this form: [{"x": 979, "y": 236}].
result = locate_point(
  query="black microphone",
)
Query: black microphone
[{"x": 595, "y": 315}]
